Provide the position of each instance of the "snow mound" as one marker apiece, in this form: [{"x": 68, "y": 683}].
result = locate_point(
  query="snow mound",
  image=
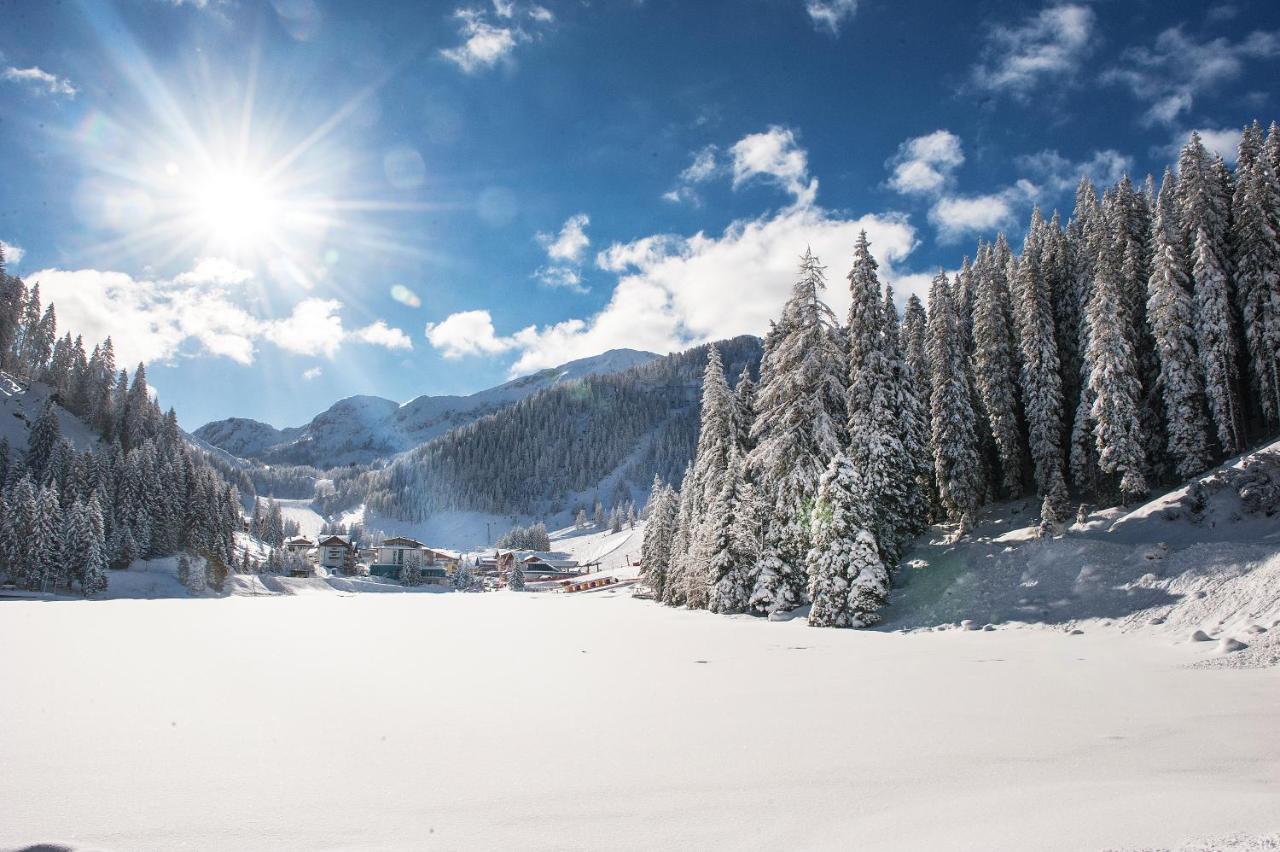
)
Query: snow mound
[{"x": 1203, "y": 560}]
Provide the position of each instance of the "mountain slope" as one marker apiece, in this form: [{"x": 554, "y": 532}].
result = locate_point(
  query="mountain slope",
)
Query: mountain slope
[
  {"x": 602, "y": 437},
  {"x": 362, "y": 429},
  {"x": 21, "y": 404}
]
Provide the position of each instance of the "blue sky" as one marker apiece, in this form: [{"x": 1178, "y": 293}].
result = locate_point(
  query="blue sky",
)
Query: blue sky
[{"x": 278, "y": 204}]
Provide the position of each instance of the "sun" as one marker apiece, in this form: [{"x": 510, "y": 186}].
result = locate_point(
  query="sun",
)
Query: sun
[{"x": 238, "y": 209}]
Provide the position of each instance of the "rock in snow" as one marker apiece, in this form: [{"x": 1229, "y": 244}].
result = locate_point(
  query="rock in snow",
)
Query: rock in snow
[
  {"x": 1201, "y": 636},
  {"x": 1228, "y": 645}
]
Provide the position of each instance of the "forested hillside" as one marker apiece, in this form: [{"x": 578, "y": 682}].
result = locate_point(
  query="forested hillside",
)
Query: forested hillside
[
  {"x": 133, "y": 489},
  {"x": 1134, "y": 346},
  {"x": 604, "y": 433}
]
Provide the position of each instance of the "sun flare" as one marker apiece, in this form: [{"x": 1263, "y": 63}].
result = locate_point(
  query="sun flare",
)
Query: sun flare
[{"x": 237, "y": 209}]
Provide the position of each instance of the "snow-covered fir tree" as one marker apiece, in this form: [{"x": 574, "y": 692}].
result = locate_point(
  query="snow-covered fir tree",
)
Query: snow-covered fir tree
[
  {"x": 717, "y": 439},
  {"x": 1041, "y": 376},
  {"x": 875, "y": 424},
  {"x": 1205, "y": 209},
  {"x": 515, "y": 576},
  {"x": 994, "y": 367},
  {"x": 675, "y": 588},
  {"x": 744, "y": 409},
  {"x": 915, "y": 343},
  {"x": 955, "y": 450},
  {"x": 913, "y": 426},
  {"x": 411, "y": 573},
  {"x": 732, "y": 548},
  {"x": 659, "y": 531},
  {"x": 799, "y": 426},
  {"x": 848, "y": 583},
  {"x": 1255, "y": 210},
  {"x": 1113, "y": 378},
  {"x": 462, "y": 579},
  {"x": 1171, "y": 312}
]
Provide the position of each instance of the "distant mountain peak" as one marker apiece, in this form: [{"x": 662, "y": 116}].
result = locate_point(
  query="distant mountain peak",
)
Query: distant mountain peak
[{"x": 363, "y": 428}]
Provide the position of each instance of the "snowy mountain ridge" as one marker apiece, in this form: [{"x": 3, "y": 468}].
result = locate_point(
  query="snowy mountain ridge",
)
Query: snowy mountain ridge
[{"x": 362, "y": 429}]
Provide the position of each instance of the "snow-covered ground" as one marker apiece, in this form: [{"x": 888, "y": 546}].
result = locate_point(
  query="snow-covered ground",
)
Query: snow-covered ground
[
  {"x": 589, "y": 722},
  {"x": 303, "y": 511},
  {"x": 1205, "y": 558}
]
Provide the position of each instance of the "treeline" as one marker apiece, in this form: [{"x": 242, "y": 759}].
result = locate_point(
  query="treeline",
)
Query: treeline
[
  {"x": 532, "y": 537},
  {"x": 1132, "y": 347},
  {"x": 139, "y": 492},
  {"x": 610, "y": 432}
]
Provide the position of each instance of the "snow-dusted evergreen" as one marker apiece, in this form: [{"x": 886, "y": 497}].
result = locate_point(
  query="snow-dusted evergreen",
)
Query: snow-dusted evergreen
[
  {"x": 995, "y": 366},
  {"x": 848, "y": 581},
  {"x": 1205, "y": 203},
  {"x": 1041, "y": 378},
  {"x": 717, "y": 442},
  {"x": 912, "y": 423},
  {"x": 1255, "y": 211},
  {"x": 659, "y": 532},
  {"x": 1171, "y": 312},
  {"x": 799, "y": 427},
  {"x": 876, "y": 426},
  {"x": 732, "y": 545},
  {"x": 955, "y": 444},
  {"x": 1113, "y": 379}
]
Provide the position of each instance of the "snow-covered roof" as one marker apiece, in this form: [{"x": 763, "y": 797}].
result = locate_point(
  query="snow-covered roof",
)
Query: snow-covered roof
[
  {"x": 402, "y": 541},
  {"x": 299, "y": 541},
  {"x": 343, "y": 540}
]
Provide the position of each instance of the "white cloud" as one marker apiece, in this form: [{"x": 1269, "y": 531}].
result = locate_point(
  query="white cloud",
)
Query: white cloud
[
  {"x": 487, "y": 40},
  {"x": 12, "y": 254},
  {"x": 957, "y": 216},
  {"x": 565, "y": 251},
  {"x": 923, "y": 165},
  {"x": 214, "y": 270},
  {"x": 637, "y": 254},
  {"x": 467, "y": 333},
  {"x": 829, "y": 15},
  {"x": 774, "y": 156},
  {"x": 704, "y": 167},
  {"x": 571, "y": 242},
  {"x": 1224, "y": 141},
  {"x": 1177, "y": 68},
  {"x": 312, "y": 373},
  {"x": 40, "y": 81},
  {"x": 378, "y": 333},
  {"x": 1056, "y": 173},
  {"x": 204, "y": 310},
  {"x": 314, "y": 328},
  {"x": 563, "y": 277},
  {"x": 1050, "y": 44}
]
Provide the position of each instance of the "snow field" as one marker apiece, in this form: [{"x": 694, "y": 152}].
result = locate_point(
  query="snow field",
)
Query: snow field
[{"x": 393, "y": 722}]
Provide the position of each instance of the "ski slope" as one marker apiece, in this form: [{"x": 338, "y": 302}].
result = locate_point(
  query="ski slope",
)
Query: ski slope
[{"x": 570, "y": 722}]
